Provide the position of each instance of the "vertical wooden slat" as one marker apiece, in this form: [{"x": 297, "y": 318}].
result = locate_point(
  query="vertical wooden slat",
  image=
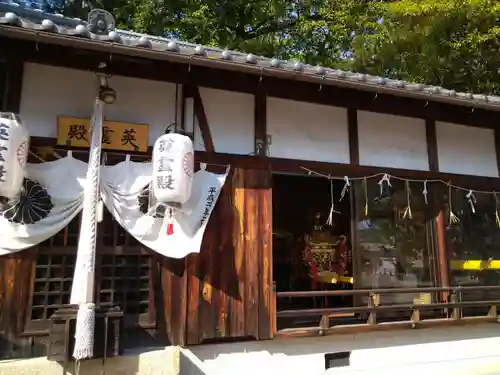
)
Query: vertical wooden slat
[
  {"x": 171, "y": 300},
  {"x": 16, "y": 273},
  {"x": 209, "y": 280},
  {"x": 237, "y": 318},
  {"x": 267, "y": 315},
  {"x": 228, "y": 282},
  {"x": 193, "y": 291},
  {"x": 251, "y": 254}
]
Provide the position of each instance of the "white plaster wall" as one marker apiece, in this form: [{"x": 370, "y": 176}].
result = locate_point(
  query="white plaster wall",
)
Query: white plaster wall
[
  {"x": 392, "y": 141},
  {"x": 466, "y": 350},
  {"x": 231, "y": 119},
  {"x": 307, "y": 131},
  {"x": 466, "y": 150},
  {"x": 48, "y": 92}
]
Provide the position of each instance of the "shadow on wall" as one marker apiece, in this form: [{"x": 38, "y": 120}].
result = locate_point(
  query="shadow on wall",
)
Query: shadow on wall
[{"x": 200, "y": 360}]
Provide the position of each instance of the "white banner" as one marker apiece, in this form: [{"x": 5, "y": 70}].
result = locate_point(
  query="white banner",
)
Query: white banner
[
  {"x": 125, "y": 194},
  {"x": 51, "y": 196}
]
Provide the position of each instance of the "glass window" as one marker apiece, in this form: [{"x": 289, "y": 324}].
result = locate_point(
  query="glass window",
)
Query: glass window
[
  {"x": 394, "y": 248},
  {"x": 473, "y": 241}
]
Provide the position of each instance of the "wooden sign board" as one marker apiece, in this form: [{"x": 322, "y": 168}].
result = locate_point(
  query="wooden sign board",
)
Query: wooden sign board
[{"x": 122, "y": 136}]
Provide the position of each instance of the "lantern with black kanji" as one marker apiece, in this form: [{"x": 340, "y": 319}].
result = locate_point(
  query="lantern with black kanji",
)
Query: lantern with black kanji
[
  {"x": 173, "y": 164},
  {"x": 14, "y": 146}
]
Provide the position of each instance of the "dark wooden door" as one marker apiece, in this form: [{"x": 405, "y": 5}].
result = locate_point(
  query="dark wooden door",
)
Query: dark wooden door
[{"x": 230, "y": 281}]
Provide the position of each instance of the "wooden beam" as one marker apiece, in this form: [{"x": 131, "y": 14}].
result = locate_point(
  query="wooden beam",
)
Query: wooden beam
[
  {"x": 260, "y": 123},
  {"x": 201, "y": 115},
  {"x": 432, "y": 148},
  {"x": 339, "y": 170},
  {"x": 352, "y": 125},
  {"x": 11, "y": 79},
  {"x": 335, "y": 169},
  {"x": 439, "y": 240},
  {"x": 236, "y": 81}
]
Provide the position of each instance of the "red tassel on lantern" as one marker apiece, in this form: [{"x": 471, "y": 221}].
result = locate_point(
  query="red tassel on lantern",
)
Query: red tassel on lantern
[{"x": 170, "y": 229}]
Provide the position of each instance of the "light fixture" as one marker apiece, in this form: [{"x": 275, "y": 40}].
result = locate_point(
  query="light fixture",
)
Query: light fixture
[{"x": 106, "y": 93}]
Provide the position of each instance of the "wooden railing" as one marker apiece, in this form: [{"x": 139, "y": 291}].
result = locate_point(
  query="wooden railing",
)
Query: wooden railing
[{"x": 450, "y": 309}]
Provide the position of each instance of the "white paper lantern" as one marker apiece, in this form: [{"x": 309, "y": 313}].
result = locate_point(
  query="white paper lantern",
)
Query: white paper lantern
[
  {"x": 173, "y": 163},
  {"x": 14, "y": 146}
]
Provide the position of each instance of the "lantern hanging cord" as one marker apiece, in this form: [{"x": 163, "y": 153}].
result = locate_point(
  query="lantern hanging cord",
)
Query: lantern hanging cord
[
  {"x": 382, "y": 175},
  {"x": 168, "y": 129}
]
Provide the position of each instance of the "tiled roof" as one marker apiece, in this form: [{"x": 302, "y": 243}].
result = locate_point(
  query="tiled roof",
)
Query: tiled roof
[{"x": 101, "y": 28}]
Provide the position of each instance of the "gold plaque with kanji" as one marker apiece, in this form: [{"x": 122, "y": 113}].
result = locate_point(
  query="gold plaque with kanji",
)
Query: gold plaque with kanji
[{"x": 122, "y": 136}]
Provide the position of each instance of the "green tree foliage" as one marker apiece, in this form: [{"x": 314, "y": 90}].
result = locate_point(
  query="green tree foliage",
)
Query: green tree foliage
[{"x": 450, "y": 43}]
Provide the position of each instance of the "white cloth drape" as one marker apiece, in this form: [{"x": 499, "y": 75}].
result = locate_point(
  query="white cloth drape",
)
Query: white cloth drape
[
  {"x": 63, "y": 181},
  {"x": 120, "y": 187},
  {"x": 123, "y": 183}
]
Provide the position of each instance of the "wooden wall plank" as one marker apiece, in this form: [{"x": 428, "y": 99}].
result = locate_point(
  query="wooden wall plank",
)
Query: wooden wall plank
[
  {"x": 174, "y": 292},
  {"x": 193, "y": 293},
  {"x": 16, "y": 274},
  {"x": 267, "y": 316},
  {"x": 209, "y": 269},
  {"x": 251, "y": 255},
  {"x": 237, "y": 316},
  {"x": 228, "y": 281}
]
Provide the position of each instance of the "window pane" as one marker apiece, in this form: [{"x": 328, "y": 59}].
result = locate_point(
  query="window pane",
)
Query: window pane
[
  {"x": 394, "y": 249},
  {"x": 473, "y": 242}
]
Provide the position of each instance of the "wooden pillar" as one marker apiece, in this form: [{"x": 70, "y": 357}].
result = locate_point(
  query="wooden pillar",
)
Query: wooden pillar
[
  {"x": 260, "y": 122},
  {"x": 11, "y": 78},
  {"x": 15, "y": 270},
  {"x": 440, "y": 239},
  {"x": 262, "y": 194},
  {"x": 352, "y": 126}
]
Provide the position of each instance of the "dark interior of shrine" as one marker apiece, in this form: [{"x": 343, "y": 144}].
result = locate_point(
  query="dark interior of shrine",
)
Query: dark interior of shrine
[{"x": 297, "y": 201}]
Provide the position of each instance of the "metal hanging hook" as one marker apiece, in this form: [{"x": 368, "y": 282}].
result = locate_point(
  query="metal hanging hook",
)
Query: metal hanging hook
[
  {"x": 321, "y": 84},
  {"x": 36, "y": 41}
]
